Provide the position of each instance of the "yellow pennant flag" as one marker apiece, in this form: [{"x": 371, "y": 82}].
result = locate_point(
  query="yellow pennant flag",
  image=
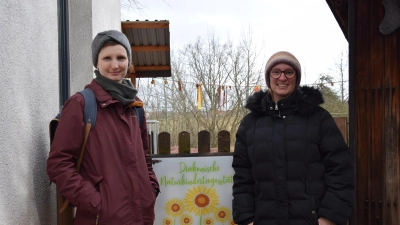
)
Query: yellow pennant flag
[{"x": 198, "y": 96}]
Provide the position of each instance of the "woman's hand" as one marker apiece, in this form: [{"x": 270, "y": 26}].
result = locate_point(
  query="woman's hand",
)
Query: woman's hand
[{"x": 323, "y": 221}]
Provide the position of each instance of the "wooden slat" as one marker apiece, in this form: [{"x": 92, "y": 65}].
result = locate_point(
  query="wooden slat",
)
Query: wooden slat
[
  {"x": 152, "y": 68},
  {"x": 164, "y": 143},
  {"x": 204, "y": 142},
  {"x": 377, "y": 130},
  {"x": 341, "y": 122},
  {"x": 184, "y": 142},
  {"x": 392, "y": 167},
  {"x": 224, "y": 141},
  {"x": 362, "y": 119},
  {"x": 150, "y": 48},
  {"x": 145, "y": 24},
  {"x": 392, "y": 132}
]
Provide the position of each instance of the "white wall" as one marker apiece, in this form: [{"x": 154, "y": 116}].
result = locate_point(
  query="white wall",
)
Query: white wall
[
  {"x": 107, "y": 15},
  {"x": 87, "y": 18},
  {"x": 80, "y": 39},
  {"x": 29, "y": 96}
]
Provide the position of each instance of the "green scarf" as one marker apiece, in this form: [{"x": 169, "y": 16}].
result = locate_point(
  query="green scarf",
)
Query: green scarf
[{"x": 124, "y": 93}]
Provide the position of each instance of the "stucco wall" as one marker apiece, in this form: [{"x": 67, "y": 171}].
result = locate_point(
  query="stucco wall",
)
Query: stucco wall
[
  {"x": 80, "y": 38},
  {"x": 87, "y": 18},
  {"x": 30, "y": 95},
  {"x": 107, "y": 16},
  {"x": 29, "y": 99}
]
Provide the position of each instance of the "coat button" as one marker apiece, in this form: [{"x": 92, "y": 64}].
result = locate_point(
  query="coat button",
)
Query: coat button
[
  {"x": 284, "y": 117},
  {"x": 313, "y": 212},
  {"x": 270, "y": 108}
]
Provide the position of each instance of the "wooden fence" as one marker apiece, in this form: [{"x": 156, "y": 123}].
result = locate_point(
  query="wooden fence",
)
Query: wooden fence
[
  {"x": 164, "y": 142},
  {"x": 223, "y": 140}
]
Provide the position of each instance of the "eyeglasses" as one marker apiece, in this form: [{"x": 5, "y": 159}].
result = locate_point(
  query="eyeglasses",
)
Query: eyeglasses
[{"x": 288, "y": 73}]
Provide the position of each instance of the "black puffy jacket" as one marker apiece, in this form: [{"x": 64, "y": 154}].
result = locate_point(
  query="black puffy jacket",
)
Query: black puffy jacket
[{"x": 291, "y": 163}]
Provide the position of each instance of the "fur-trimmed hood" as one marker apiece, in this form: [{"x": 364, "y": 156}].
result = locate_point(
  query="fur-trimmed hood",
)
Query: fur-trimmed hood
[{"x": 304, "y": 100}]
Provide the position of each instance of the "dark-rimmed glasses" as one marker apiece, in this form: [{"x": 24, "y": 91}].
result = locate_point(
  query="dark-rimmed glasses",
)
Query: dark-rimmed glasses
[{"x": 288, "y": 73}]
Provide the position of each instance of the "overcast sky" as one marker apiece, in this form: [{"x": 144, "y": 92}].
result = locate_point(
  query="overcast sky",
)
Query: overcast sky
[{"x": 308, "y": 28}]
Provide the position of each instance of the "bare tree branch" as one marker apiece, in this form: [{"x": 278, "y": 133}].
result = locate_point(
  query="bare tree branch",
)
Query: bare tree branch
[{"x": 227, "y": 74}]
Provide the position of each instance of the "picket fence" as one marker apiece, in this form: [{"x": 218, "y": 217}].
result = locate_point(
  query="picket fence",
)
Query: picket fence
[{"x": 164, "y": 140}]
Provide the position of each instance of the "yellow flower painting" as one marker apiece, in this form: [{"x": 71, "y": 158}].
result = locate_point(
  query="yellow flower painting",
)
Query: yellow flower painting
[
  {"x": 174, "y": 207},
  {"x": 167, "y": 221},
  {"x": 186, "y": 219},
  {"x": 222, "y": 214},
  {"x": 201, "y": 200},
  {"x": 208, "y": 221}
]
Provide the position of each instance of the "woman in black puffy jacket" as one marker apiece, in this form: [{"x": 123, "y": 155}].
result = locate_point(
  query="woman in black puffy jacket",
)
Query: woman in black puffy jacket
[{"x": 292, "y": 165}]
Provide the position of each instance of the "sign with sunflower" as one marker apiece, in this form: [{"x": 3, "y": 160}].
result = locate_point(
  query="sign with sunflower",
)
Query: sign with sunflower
[{"x": 194, "y": 190}]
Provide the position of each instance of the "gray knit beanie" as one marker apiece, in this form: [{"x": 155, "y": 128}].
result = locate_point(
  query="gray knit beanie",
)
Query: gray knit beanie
[
  {"x": 110, "y": 35},
  {"x": 283, "y": 57}
]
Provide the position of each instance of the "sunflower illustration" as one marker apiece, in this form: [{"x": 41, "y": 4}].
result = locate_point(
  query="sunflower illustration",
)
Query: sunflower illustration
[
  {"x": 201, "y": 200},
  {"x": 186, "y": 219},
  {"x": 222, "y": 214},
  {"x": 167, "y": 221},
  {"x": 208, "y": 221},
  {"x": 174, "y": 207}
]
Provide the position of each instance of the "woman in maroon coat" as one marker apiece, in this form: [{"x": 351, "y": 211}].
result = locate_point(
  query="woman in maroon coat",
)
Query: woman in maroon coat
[{"x": 116, "y": 183}]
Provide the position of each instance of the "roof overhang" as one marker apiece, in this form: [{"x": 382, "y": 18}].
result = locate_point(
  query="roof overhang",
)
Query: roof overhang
[
  {"x": 340, "y": 10},
  {"x": 150, "y": 43}
]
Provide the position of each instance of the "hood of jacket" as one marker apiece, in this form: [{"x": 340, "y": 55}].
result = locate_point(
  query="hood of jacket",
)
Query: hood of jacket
[{"x": 304, "y": 100}]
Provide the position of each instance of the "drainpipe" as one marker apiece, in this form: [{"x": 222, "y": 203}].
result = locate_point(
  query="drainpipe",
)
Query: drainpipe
[{"x": 63, "y": 50}]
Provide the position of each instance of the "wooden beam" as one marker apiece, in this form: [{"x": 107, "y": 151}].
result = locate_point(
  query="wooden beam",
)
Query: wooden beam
[
  {"x": 149, "y": 48},
  {"x": 152, "y": 74},
  {"x": 340, "y": 10},
  {"x": 145, "y": 24},
  {"x": 131, "y": 75},
  {"x": 151, "y": 68}
]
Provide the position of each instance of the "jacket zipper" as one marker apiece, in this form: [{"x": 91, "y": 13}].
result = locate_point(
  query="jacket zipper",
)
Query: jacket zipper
[{"x": 277, "y": 108}]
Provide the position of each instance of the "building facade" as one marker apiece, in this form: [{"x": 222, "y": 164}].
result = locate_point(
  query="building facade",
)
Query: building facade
[{"x": 30, "y": 84}]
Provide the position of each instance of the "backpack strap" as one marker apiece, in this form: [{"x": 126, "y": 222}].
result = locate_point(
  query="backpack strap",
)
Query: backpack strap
[
  {"x": 78, "y": 163},
  {"x": 90, "y": 111},
  {"x": 89, "y": 117},
  {"x": 139, "y": 114}
]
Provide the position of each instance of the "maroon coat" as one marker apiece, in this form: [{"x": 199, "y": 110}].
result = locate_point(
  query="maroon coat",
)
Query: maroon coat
[{"x": 116, "y": 180}]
